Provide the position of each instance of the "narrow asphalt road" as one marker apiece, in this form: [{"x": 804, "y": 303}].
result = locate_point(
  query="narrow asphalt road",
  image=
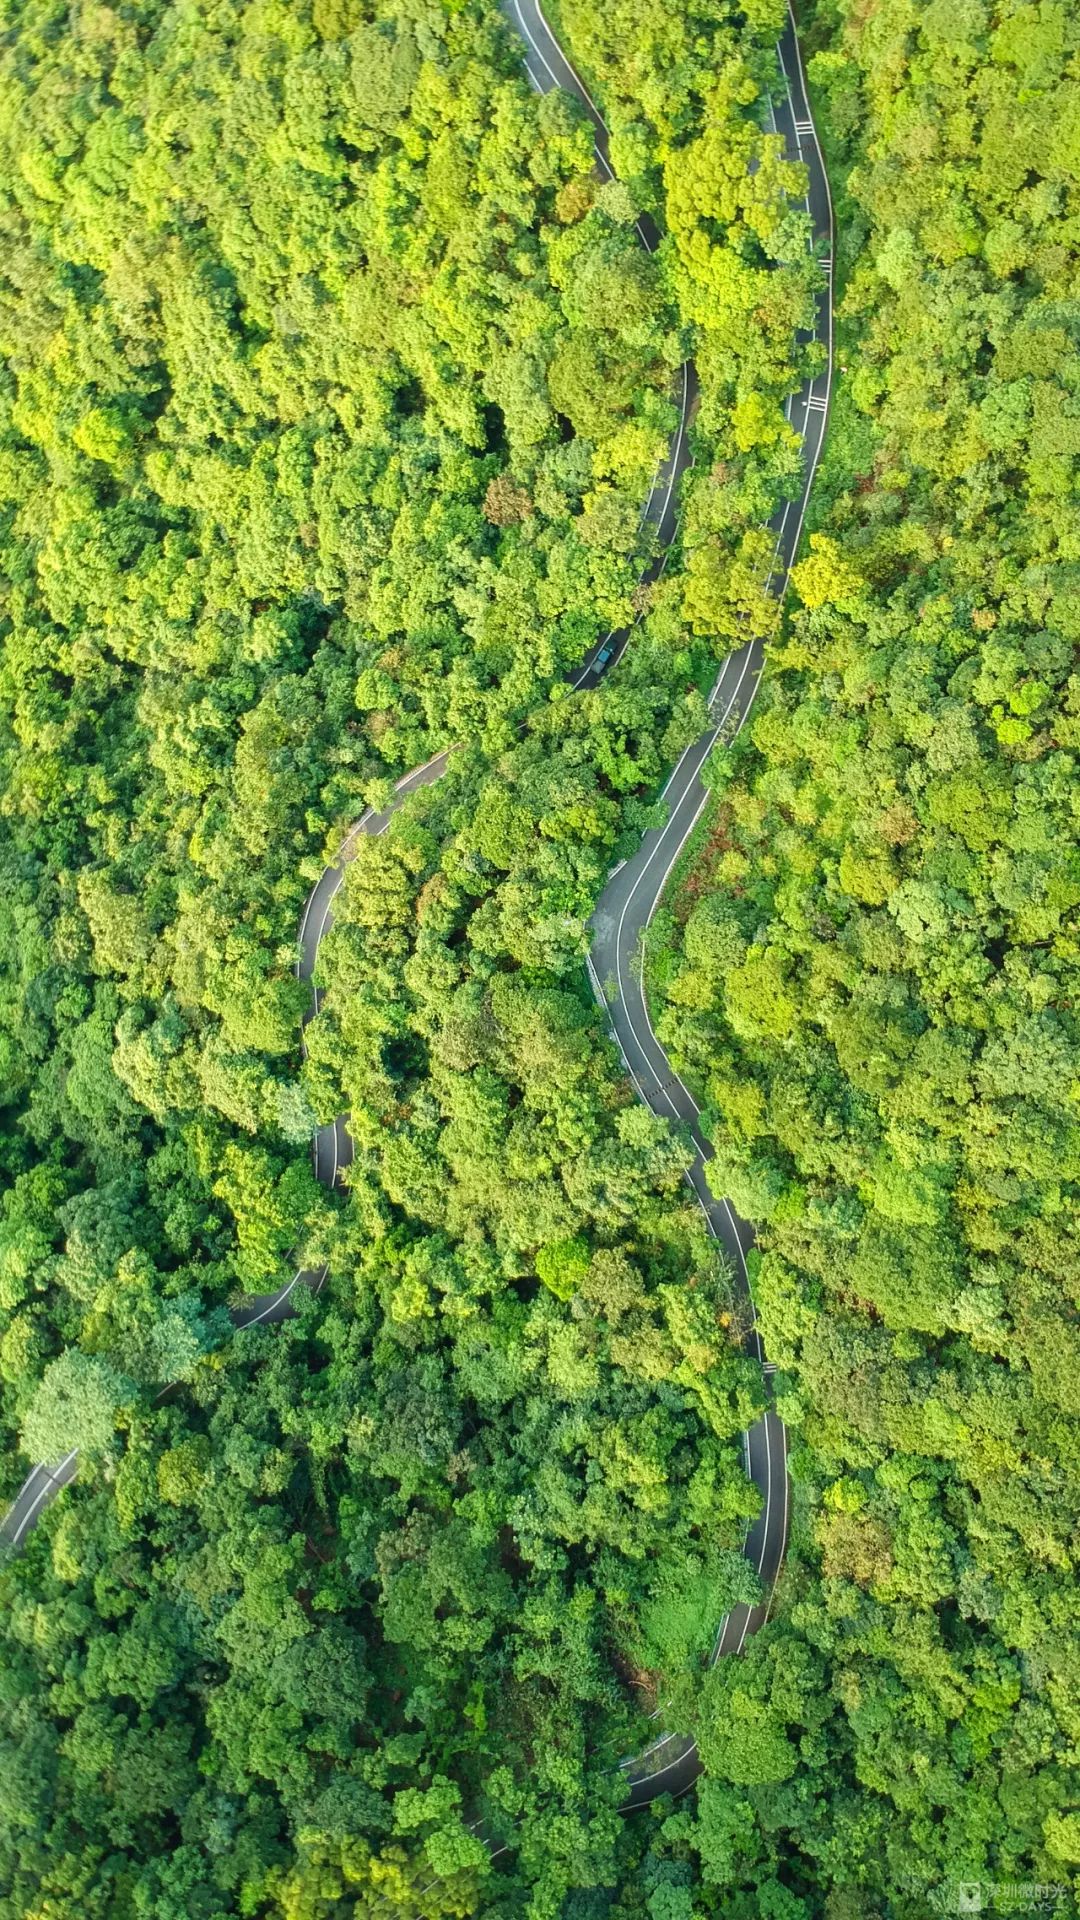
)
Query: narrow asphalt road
[
  {"x": 630, "y": 899},
  {"x": 627, "y": 905}
]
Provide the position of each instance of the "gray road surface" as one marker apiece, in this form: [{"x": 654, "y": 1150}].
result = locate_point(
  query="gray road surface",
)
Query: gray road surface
[{"x": 630, "y": 899}]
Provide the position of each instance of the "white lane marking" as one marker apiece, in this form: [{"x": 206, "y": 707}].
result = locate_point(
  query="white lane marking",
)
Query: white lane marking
[
  {"x": 584, "y": 671},
  {"x": 673, "y": 473},
  {"x": 699, "y": 1161},
  {"x": 600, "y": 122},
  {"x": 279, "y": 1298},
  {"x": 646, "y": 243},
  {"x": 671, "y": 456},
  {"x": 702, "y": 804},
  {"x": 748, "y": 1612},
  {"x": 784, "y": 1522},
  {"x": 808, "y": 127},
  {"x": 400, "y": 786},
  {"x": 598, "y": 991},
  {"x": 303, "y": 926},
  {"x": 824, "y": 172},
  {"x": 556, "y": 82},
  {"x": 538, "y": 49},
  {"x": 335, "y": 889},
  {"x": 815, "y": 458},
  {"x": 794, "y": 122},
  {"x": 705, "y": 741},
  {"x": 568, "y": 63},
  {"x": 52, "y": 1486},
  {"x": 777, "y": 546},
  {"x": 379, "y": 831},
  {"x": 817, "y": 404},
  {"x": 766, "y": 1512}
]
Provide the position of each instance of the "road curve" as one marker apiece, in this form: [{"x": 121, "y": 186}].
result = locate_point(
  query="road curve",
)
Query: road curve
[
  {"x": 627, "y": 905},
  {"x": 332, "y": 1147},
  {"x": 629, "y": 901}
]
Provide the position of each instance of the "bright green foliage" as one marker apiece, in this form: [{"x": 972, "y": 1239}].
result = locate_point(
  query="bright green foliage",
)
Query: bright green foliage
[
  {"x": 332, "y": 381},
  {"x": 871, "y": 976},
  {"x": 683, "y": 96},
  {"x": 331, "y": 384}
]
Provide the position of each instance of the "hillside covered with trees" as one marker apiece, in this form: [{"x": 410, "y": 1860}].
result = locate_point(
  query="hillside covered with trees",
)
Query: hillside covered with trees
[
  {"x": 868, "y": 969},
  {"x": 332, "y": 383}
]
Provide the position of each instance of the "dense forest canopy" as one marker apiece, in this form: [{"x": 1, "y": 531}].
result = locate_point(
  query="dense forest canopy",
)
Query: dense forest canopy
[
  {"x": 869, "y": 971},
  {"x": 332, "y": 383},
  {"x": 334, "y": 380}
]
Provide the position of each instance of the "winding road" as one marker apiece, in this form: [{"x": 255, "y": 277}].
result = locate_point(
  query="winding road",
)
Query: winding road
[{"x": 629, "y": 901}]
